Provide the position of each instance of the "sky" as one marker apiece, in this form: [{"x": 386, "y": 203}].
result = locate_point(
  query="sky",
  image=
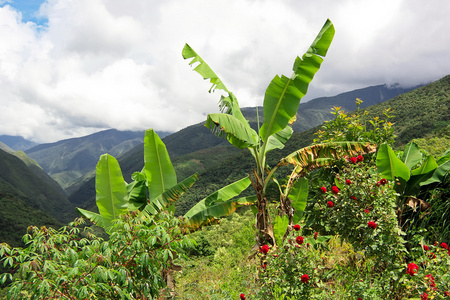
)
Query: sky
[{"x": 70, "y": 68}]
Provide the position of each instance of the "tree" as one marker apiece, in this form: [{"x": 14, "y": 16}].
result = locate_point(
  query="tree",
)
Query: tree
[{"x": 281, "y": 102}]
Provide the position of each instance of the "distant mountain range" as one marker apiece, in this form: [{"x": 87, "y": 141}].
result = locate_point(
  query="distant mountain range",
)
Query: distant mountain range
[
  {"x": 29, "y": 196},
  {"x": 16, "y": 142}
]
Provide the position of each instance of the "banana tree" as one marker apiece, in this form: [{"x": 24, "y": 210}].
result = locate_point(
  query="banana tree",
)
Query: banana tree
[
  {"x": 281, "y": 102},
  {"x": 158, "y": 180}
]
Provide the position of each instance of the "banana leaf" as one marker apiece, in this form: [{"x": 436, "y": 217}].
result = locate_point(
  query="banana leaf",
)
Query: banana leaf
[
  {"x": 389, "y": 165},
  {"x": 111, "y": 191},
  {"x": 411, "y": 155},
  {"x": 169, "y": 197},
  {"x": 299, "y": 197},
  {"x": 279, "y": 229},
  {"x": 158, "y": 168},
  {"x": 283, "y": 94},
  {"x": 92, "y": 216}
]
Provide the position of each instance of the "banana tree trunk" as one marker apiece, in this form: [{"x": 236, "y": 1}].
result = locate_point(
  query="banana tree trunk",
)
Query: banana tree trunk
[{"x": 264, "y": 230}]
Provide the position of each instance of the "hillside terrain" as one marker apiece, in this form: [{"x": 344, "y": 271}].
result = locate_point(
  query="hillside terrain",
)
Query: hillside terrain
[
  {"x": 196, "y": 149},
  {"x": 28, "y": 197},
  {"x": 69, "y": 160},
  {"x": 16, "y": 142}
]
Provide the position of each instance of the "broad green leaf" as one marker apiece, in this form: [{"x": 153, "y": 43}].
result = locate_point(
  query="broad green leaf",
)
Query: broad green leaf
[
  {"x": 279, "y": 139},
  {"x": 279, "y": 228},
  {"x": 137, "y": 192},
  {"x": 411, "y": 155},
  {"x": 438, "y": 174},
  {"x": 299, "y": 194},
  {"x": 412, "y": 187},
  {"x": 428, "y": 165},
  {"x": 445, "y": 157},
  {"x": 169, "y": 197},
  {"x": 204, "y": 215},
  {"x": 92, "y": 216},
  {"x": 158, "y": 168},
  {"x": 224, "y": 194},
  {"x": 389, "y": 165},
  {"x": 111, "y": 191},
  {"x": 238, "y": 134},
  {"x": 283, "y": 94}
]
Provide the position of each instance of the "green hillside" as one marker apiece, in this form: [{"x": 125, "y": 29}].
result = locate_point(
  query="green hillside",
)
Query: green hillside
[{"x": 27, "y": 198}]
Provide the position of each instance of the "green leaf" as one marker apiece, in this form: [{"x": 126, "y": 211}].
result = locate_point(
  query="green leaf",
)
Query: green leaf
[
  {"x": 438, "y": 174},
  {"x": 279, "y": 139},
  {"x": 389, "y": 165},
  {"x": 137, "y": 192},
  {"x": 170, "y": 196},
  {"x": 279, "y": 228},
  {"x": 92, "y": 216},
  {"x": 203, "y": 69},
  {"x": 299, "y": 194},
  {"x": 204, "y": 215},
  {"x": 411, "y": 155},
  {"x": 110, "y": 189},
  {"x": 427, "y": 166},
  {"x": 158, "y": 168},
  {"x": 283, "y": 94},
  {"x": 238, "y": 134},
  {"x": 224, "y": 194}
]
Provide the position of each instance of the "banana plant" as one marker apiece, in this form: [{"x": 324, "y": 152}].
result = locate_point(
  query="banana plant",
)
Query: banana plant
[
  {"x": 158, "y": 180},
  {"x": 281, "y": 102}
]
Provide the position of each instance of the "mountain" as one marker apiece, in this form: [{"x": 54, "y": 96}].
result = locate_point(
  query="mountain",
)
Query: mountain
[
  {"x": 196, "y": 149},
  {"x": 69, "y": 160},
  {"x": 28, "y": 197},
  {"x": 17, "y": 142}
]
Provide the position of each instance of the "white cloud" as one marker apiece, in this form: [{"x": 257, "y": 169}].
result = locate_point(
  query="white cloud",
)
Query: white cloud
[{"x": 106, "y": 63}]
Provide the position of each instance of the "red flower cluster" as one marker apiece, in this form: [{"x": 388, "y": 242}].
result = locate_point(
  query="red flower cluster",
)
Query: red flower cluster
[
  {"x": 297, "y": 227},
  {"x": 348, "y": 182},
  {"x": 424, "y": 296},
  {"x": 335, "y": 189},
  {"x": 412, "y": 269},
  {"x": 360, "y": 158},
  {"x": 353, "y": 160},
  {"x": 304, "y": 278},
  {"x": 242, "y": 296},
  {"x": 315, "y": 235},
  {"x": 426, "y": 248},
  {"x": 330, "y": 203},
  {"x": 372, "y": 224},
  {"x": 447, "y": 293},
  {"x": 264, "y": 249},
  {"x": 324, "y": 189},
  {"x": 430, "y": 279},
  {"x": 353, "y": 197},
  {"x": 444, "y": 245},
  {"x": 299, "y": 240},
  {"x": 367, "y": 211}
]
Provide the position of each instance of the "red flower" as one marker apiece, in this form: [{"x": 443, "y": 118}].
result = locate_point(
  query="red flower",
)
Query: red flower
[
  {"x": 360, "y": 158},
  {"x": 424, "y": 296},
  {"x": 275, "y": 255},
  {"x": 430, "y": 279},
  {"x": 382, "y": 181},
  {"x": 353, "y": 160},
  {"x": 348, "y": 182},
  {"x": 304, "y": 278},
  {"x": 242, "y": 296},
  {"x": 447, "y": 293},
  {"x": 426, "y": 248},
  {"x": 444, "y": 245},
  {"x": 431, "y": 255},
  {"x": 367, "y": 211},
  {"x": 372, "y": 224},
  {"x": 324, "y": 189},
  {"x": 335, "y": 189},
  {"x": 330, "y": 203},
  {"x": 264, "y": 249},
  {"x": 299, "y": 240},
  {"x": 412, "y": 269},
  {"x": 315, "y": 235},
  {"x": 353, "y": 197},
  {"x": 359, "y": 298},
  {"x": 297, "y": 227},
  {"x": 264, "y": 266}
]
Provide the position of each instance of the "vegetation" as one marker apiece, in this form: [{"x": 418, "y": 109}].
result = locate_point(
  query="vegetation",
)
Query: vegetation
[{"x": 345, "y": 217}]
